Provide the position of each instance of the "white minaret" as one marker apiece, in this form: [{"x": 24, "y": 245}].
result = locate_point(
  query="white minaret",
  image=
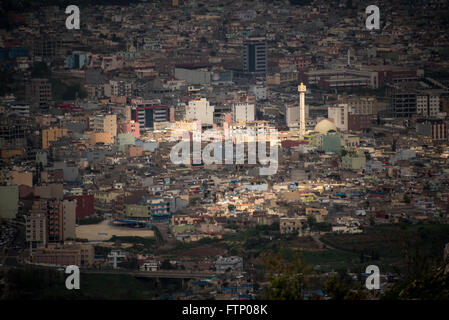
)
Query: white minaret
[{"x": 302, "y": 109}]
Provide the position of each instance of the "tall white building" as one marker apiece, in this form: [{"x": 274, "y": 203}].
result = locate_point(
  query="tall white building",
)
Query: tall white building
[
  {"x": 340, "y": 115},
  {"x": 243, "y": 112},
  {"x": 201, "y": 110},
  {"x": 427, "y": 105}
]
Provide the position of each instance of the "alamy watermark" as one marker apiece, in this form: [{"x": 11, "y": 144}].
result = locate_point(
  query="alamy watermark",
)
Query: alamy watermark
[
  {"x": 373, "y": 280},
  {"x": 72, "y": 281},
  {"x": 257, "y": 140},
  {"x": 72, "y": 21}
]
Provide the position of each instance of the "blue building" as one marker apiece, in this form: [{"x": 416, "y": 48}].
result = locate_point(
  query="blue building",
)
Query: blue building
[{"x": 76, "y": 61}]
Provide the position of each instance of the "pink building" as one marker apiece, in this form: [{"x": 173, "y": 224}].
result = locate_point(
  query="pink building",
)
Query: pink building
[
  {"x": 45, "y": 121},
  {"x": 129, "y": 127}
]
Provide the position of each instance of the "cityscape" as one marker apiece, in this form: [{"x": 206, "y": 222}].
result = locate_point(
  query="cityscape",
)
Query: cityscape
[{"x": 224, "y": 150}]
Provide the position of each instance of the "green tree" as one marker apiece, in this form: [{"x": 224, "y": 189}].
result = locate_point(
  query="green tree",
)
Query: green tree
[
  {"x": 339, "y": 289},
  {"x": 288, "y": 279}
]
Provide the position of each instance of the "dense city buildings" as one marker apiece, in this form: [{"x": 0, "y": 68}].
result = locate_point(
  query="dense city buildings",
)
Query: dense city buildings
[{"x": 196, "y": 147}]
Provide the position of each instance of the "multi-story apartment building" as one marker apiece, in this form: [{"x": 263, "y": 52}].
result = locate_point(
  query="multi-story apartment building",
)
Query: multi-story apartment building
[
  {"x": 200, "y": 109},
  {"x": 104, "y": 123},
  {"x": 340, "y": 115},
  {"x": 427, "y": 104},
  {"x": 51, "y": 220},
  {"x": 120, "y": 88},
  {"x": 255, "y": 55},
  {"x": 52, "y": 134},
  {"x": 243, "y": 112},
  {"x": 148, "y": 113},
  {"x": 39, "y": 91}
]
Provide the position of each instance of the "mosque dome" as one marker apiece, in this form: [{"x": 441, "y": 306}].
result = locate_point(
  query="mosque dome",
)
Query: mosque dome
[{"x": 324, "y": 126}]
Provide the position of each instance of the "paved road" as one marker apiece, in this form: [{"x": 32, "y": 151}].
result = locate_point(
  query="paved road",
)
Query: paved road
[
  {"x": 175, "y": 274},
  {"x": 169, "y": 242}
]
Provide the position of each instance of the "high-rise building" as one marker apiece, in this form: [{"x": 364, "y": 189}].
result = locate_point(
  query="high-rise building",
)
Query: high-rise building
[
  {"x": 36, "y": 223},
  {"x": 255, "y": 55},
  {"x": 201, "y": 110},
  {"x": 51, "y": 220},
  {"x": 147, "y": 114},
  {"x": 403, "y": 104}
]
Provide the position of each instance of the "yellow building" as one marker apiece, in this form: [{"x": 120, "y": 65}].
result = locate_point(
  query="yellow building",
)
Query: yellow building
[
  {"x": 101, "y": 137},
  {"x": 9, "y": 153},
  {"x": 104, "y": 123},
  {"x": 18, "y": 178},
  {"x": 350, "y": 141},
  {"x": 52, "y": 134},
  {"x": 106, "y": 196},
  {"x": 184, "y": 220},
  {"x": 318, "y": 213},
  {"x": 305, "y": 197},
  {"x": 308, "y": 197}
]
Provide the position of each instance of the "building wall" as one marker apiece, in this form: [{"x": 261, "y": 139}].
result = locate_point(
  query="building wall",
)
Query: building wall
[
  {"x": 124, "y": 139},
  {"x": 340, "y": 115},
  {"x": 292, "y": 225},
  {"x": 101, "y": 137},
  {"x": 9, "y": 201},
  {"x": 193, "y": 76},
  {"x": 243, "y": 112},
  {"x": 22, "y": 178},
  {"x": 10, "y": 153},
  {"x": 59, "y": 257},
  {"x": 358, "y": 122},
  {"x": 137, "y": 211},
  {"x": 354, "y": 161},
  {"x": 84, "y": 205},
  {"x": 104, "y": 123},
  {"x": 129, "y": 127},
  {"x": 292, "y": 115},
  {"x": 201, "y": 110},
  {"x": 53, "y": 190},
  {"x": 427, "y": 105},
  {"x": 52, "y": 134},
  {"x": 133, "y": 151},
  {"x": 331, "y": 143}
]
